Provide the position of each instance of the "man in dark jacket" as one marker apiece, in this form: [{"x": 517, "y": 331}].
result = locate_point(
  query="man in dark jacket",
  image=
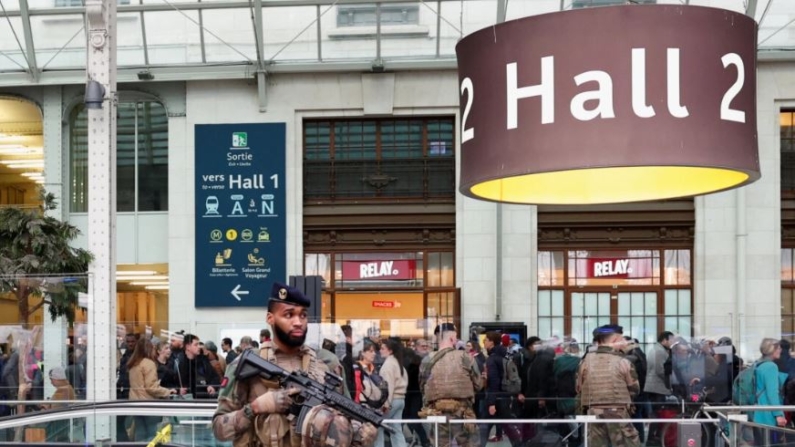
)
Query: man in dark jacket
[
  {"x": 123, "y": 382},
  {"x": 411, "y": 361},
  {"x": 498, "y": 404},
  {"x": 196, "y": 374}
]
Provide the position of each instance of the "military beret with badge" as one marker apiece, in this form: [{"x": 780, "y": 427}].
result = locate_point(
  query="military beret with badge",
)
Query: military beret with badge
[{"x": 282, "y": 293}]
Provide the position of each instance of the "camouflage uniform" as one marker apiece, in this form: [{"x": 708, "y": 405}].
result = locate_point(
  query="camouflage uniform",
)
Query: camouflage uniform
[
  {"x": 448, "y": 389},
  {"x": 607, "y": 383},
  {"x": 263, "y": 430}
]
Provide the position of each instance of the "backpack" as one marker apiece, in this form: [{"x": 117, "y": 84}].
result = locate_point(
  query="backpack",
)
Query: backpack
[
  {"x": 511, "y": 383},
  {"x": 374, "y": 388},
  {"x": 744, "y": 386}
]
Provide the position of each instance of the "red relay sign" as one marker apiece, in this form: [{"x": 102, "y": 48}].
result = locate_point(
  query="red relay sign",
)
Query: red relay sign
[{"x": 378, "y": 270}]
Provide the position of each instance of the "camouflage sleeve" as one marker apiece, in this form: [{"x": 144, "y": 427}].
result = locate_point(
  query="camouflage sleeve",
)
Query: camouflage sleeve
[
  {"x": 229, "y": 420},
  {"x": 425, "y": 372},
  {"x": 474, "y": 375},
  {"x": 581, "y": 372},
  {"x": 631, "y": 376}
]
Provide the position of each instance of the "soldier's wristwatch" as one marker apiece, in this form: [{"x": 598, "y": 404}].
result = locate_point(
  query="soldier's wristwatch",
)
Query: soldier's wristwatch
[{"x": 248, "y": 412}]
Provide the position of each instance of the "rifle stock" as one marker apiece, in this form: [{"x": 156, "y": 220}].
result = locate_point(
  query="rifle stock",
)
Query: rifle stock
[{"x": 311, "y": 392}]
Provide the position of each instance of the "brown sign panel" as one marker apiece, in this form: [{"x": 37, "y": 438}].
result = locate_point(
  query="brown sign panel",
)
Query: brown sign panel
[{"x": 609, "y": 104}]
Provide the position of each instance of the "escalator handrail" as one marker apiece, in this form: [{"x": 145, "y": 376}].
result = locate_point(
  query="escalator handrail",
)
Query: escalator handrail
[{"x": 178, "y": 408}]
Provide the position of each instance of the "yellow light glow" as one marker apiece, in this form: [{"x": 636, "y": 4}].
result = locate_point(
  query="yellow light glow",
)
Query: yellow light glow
[{"x": 609, "y": 185}]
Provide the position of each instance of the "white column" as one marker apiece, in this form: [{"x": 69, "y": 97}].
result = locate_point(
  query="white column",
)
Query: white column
[
  {"x": 55, "y": 332},
  {"x": 101, "y": 67}
]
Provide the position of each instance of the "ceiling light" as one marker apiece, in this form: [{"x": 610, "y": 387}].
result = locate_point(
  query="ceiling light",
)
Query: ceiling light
[
  {"x": 26, "y": 165},
  {"x": 135, "y": 272},
  {"x": 156, "y": 287},
  {"x": 141, "y": 278},
  {"x": 32, "y": 174},
  {"x": 149, "y": 283}
]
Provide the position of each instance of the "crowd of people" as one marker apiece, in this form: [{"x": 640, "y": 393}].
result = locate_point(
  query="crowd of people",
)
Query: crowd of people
[{"x": 535, "y": 380}]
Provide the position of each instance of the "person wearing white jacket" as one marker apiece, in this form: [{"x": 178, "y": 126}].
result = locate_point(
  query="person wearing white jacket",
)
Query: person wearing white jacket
[{"x": 396, "y": 377}]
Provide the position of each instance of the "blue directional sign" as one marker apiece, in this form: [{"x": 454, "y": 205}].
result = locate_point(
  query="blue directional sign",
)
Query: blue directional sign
[{"x": 240, "y": 213}]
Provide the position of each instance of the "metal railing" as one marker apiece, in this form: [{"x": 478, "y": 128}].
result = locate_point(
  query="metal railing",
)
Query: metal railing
[{"x": 728, "y": 422}]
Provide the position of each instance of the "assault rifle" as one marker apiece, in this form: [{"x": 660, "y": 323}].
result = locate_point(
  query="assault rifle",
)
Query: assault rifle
[{"x": 311, "y": 392}]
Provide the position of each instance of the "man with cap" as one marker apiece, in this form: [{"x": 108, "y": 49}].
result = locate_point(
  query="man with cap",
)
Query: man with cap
[
  {"x": 606, "y": 384},
  {"x": 254, "y": 412},
  {"x": 448, "y": 382}
]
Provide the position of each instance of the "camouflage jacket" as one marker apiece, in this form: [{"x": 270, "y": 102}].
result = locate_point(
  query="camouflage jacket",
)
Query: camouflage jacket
[
  {"x": 449, "y": 374},
  {"x": 230, "y": 421}
]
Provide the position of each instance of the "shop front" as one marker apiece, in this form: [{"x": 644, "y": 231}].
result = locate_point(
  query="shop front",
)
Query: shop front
[{"x": 404, "y": 294}]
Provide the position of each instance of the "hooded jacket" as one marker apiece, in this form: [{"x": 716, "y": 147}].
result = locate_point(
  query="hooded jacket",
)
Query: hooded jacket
[{"x": 494, "y": 371}]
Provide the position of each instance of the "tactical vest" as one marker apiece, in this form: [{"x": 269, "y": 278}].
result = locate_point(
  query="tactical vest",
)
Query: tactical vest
[
  {"x": 274, "y": 430},
  {"x": 449, "y": 378},
  {"x": 604, "y": 383}
]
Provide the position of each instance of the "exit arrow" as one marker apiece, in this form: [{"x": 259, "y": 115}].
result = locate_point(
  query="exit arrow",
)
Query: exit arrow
[{"x": 236, "y": 292}]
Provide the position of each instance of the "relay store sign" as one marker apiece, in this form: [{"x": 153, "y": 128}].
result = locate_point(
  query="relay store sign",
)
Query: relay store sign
[
  {"x": 613, "y": 104},
  {"x": 608, "y": 268},
  {"x": 378, "y": 270},
  {"x": 240, "y": 213}
]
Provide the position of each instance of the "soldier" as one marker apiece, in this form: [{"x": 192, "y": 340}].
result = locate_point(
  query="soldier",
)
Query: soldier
[
  {"x": 607, "y": 383},
  {"x": 254, "y": 413},
  {"x": 449, "y": 381}
]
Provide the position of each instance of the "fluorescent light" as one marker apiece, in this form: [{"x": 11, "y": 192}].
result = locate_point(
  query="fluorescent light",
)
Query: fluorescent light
[
  {"x": 149, "y": 283},
  {"x": 11, "y": 149},
  {"x": 135, "y": 272},
  {"x": 141, "y": 278},
  {"x": 26, "y": 164},
  {"x": 156, "y": 287},
  {"x": 32, "y": 174}
]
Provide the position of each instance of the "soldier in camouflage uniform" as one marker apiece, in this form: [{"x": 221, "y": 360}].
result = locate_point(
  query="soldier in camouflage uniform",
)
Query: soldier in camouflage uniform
[
  {"x": 448, "y": 382},
  {"x": 254, "y": 413},
  {"x": 606, "y": 385}
]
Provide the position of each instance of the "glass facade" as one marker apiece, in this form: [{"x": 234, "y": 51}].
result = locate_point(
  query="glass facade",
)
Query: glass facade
[
  {"x": 141, "y": 158},
  {"x": 418, "y": 287},
  {"x": 410, "y": 158},
  {"x": 645, "y": 291}
]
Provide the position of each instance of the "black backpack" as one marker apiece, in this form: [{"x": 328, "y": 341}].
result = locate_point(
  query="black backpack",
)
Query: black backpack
[{"x": 378, "y": 391}]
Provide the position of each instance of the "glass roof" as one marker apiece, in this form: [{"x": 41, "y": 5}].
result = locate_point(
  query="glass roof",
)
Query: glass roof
[{"x": 308, "y": 33}]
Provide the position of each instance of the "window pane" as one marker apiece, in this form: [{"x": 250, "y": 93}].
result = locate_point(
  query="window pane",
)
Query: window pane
[
  {"x": 671, "y": 302},
  {"x": 684, "y": 302},
  {"x": 448, "y": 272},
  {"x": 544, "y": 267},
  {"x": 152, "y": 157},
  {"x": 578, "y": 330},
  {"x": 672, "y": 324},
  {"x": 626, "y": 323},
  {"x": 544, "y": 327},
  {"x": 786, "y": 301},
  {"x": 544, "y": 306},
  {"x": 685, "y": 326},
  {"x": 557, "y": 327},
  {"x": 434, "y": 274},
  {"x": 651, "y": 303},
  {"x": 591, "y": 304},
  {"x": 78, "y": 160},
  {"x": 604, "y": 304},
  {"x": 650, "y": 331},
  {"x": 125, "y": 157},
  {"x": 637, "y": 304},
  {"x": 577, "y": 304},
  {"x": 786, "y": 265},
  {"x": 624, "y": 307},
  {"x": 787, "y": 151},
  {"x": 557, "y": 302}
]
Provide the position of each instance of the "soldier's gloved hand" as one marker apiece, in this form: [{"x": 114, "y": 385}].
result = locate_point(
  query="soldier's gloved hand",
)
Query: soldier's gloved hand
[
  {"x": 273, "y": 402},
  {"x": 364, "y": 434}
]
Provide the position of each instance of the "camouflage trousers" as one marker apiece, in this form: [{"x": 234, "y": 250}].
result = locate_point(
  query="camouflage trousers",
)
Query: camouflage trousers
[
  {"x": 465, "y": 435},
  {"x": 615, "y": 435}
]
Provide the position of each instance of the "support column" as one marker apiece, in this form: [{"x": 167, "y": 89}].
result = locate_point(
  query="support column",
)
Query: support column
[
  {"x": 55, "y": 332},
  {"x": 101, "y": 67}
]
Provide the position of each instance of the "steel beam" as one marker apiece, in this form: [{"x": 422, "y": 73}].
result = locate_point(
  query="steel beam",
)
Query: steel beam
[
  {"x": 24, "y": 13},
  {"x": 502, "y": 10},
  {"x": 750, "y": 8},
  {"x": 101, "y": 67}
]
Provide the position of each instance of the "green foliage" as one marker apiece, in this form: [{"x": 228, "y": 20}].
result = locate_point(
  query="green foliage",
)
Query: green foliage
[{"x": 36, "y": 259}]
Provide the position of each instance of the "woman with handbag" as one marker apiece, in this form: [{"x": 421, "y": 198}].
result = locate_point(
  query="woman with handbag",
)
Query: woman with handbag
[
  {"x": 397, "y": 381},
  {"x": 144, "y": 385}
]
